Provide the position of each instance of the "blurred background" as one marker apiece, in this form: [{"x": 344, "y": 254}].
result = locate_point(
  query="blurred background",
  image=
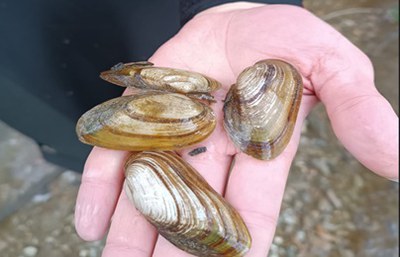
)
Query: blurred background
[{"x": 333, "y": 206}]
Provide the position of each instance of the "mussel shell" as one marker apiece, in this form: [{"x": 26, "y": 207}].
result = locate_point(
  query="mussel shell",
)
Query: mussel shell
[
  {"x": 174, "y": 197},
  {"x": 261, "y": 109},
  {"x": 144, "y": 75},
  {"x": 146, "y": 121}
]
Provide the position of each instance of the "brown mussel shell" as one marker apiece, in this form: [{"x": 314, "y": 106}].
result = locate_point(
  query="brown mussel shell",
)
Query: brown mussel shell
[
  {"x": 147, "y": 121},
  {"x": 174, "y": 197},
  {"x": 260, "y": 110},
  {"x": 144, "y": 75}
]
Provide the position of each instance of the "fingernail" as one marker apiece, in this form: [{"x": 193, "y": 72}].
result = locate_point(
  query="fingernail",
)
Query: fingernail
[{"x": 394, "y": 179}]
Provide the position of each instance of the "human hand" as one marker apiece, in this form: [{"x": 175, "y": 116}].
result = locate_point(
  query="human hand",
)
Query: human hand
[{"x": 221, "y": 42}]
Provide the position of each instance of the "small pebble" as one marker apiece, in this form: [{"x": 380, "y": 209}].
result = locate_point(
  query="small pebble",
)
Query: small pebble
[
  {"x": 322, "y": 165},
  {"x": 30, "y": 251},
  {"x": 334, "y": 199},
  {"x": 65, "y": 248},
  {"x": 278, "y": 240},
  {"x": 83, "y": 253},
  {"x": 301, "y": 236},
  {"x": 40, "y": 198},
  {"x": 49, "y": 240}
]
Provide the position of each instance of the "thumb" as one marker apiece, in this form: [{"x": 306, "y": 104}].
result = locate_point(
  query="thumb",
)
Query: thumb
[{"x": 361, "y": 117}]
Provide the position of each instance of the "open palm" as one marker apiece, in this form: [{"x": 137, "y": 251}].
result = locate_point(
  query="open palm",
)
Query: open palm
[{"x": 220, "y": 43}]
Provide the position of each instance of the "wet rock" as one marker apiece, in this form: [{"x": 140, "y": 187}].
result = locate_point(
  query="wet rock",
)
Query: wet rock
[{"x": 20, "y": 158}]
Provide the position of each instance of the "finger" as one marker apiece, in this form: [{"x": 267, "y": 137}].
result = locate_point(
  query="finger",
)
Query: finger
[
  {"x": 361, "y": 117},
  {"x": 255, "y": 188},
  {"x": 98, "y": 193},
  {"x": 130, "y": 234},
  {"x": 213, "y": 165}
]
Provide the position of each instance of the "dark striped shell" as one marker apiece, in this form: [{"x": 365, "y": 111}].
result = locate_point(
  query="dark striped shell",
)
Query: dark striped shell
[
  {"x": 260, "y": 110},
  {"x": 147, "y": 121},
  {"x": 183, "y": 207}
]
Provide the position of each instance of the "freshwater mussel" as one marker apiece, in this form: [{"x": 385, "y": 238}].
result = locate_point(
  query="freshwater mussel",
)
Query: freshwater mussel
[
  {"x": 144, "y": 75},
  {"x": 147, "y": 121},
  {"x": 260, "y": 110},
  {"x": 163, "y": 115},
  {"x": 185, "y": 209}
]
